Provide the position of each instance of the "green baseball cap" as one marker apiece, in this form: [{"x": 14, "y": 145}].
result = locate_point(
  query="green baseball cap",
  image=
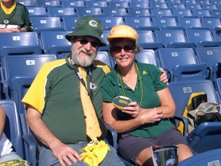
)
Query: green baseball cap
[{"x": 87, "y": 26}]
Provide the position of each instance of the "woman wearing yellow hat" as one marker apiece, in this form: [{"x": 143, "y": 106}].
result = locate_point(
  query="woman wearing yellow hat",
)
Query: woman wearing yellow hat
[{"x": 144, "y": 122}]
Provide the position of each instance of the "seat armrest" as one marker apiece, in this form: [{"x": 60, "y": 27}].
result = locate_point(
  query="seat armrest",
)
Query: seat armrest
[
  {"x": 185, "y": 124},
  {"x": 114, "y": 136}
]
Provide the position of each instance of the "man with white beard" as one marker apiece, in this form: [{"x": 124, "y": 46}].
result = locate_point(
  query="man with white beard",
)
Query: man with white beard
[{"x": 64, "y": 104}]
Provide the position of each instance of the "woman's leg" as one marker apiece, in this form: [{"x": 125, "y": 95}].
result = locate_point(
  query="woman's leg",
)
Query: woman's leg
[
  {"x": 183, "y": 152},
  {"x": 144, "y": 158}
]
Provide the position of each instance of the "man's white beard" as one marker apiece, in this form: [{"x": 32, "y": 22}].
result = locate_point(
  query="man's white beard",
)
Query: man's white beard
[{"x": 85, "y": 61}]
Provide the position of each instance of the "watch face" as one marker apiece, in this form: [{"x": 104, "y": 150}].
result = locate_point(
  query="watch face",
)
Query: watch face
[{"x": 6, "y": 21}]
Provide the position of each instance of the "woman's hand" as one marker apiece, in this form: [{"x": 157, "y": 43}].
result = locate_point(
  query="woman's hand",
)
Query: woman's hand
[
  {"x": 151, "y": 115},
  {"x": 133, "y": 109}
]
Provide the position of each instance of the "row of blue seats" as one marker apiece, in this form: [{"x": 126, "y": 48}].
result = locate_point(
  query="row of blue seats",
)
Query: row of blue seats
[
  {"x": 55, "y": 42},
  {"x": 197, "y": 4},
  {"x": 180, "y": 63},
  {"x": 42, "y": 23},
  {"x": 67, "y": 22},
  {"x": 113, "y": 11}
]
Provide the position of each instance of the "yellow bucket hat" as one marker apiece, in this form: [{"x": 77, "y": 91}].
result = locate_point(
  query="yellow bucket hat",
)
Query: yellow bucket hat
[{"x": 123, "y": 31}]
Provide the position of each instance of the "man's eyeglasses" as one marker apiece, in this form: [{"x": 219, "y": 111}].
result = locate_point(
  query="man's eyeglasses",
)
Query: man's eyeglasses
[
  {"x": 84, "y": 41},
  {"x": 127, "y": 48}
]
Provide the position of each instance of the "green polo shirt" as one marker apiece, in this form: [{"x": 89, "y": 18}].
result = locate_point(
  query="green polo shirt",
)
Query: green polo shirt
[
  {"x": 150, "y": 78},
  {"x": 55, "y": 94},
  {"x": 19, "y": 16}
]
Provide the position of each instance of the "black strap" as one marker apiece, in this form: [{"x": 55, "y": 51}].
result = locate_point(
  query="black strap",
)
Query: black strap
[{"x": 90, "y": 92}]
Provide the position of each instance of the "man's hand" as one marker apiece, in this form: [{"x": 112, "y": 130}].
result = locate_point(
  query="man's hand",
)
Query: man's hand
[
  {"x": 163, "y": 76},
  {"x": 65, "y": 154}
]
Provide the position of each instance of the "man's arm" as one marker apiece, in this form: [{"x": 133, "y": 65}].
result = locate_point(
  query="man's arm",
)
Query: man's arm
[
  {"x": 163, "y": 76},
  {"x": 63, "y": 152},
  {"x": 2, "y": 120}
]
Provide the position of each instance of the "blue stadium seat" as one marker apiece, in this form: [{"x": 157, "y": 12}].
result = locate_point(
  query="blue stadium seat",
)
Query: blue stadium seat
[
  {"x": 73, "y": 3},
  {"x": 210, "y": 22},
  {"x": 210, "y": 56},
  {"x": 193, "y": 6},
  {"x": 13, "y": 126},
  {"x": 202, "y": 37},
  {"x": 139, "y": 5},
  {"x": 164, "y": 22},
  {"x": 172, "y": 37},
  {"x": 215, "y": 12},
  {"x": 216, "y": 2},
  {"x": 104, "y": 57},
  {"x": 69, "y": 22},
  {"x": 211, "y": 157},
  {"x": 113, "y": 11},
  {"x": 104, "y": 37},
  {"x": 159, "y": 1},
  {"x": 182, "y": 12},
  {"x": 174, "y": 1},
  {"x": 182, "y": 64},
  {"x": 209, "y": 6},
  {"x": 138, "y": 12},
  {"x": 201, "y": 12},
  {"x": 216, "y": 33},
  {"x": 45, "y": 3},
  {"x": 178, "y": 6},
  {"x": 147, "y": 39},
  {"x": 19, "y": 43},
  {"x": 147, "y": 56},
  {"x": 41, "y": 23},
  {"x": 30, "y": 142},
  {"x": 156, "y": 5},
  {"x": 28, "y": 3},
  {"x": 36, "y": 11},
  {"x": 141, "y": 22},
  {"x": 108, "y": 21},
  {"x": 61, "y": 11},
  {"x": 182, "y": 90},
  {"x": 205, "y": 137},
  {"x": 204, "y": 2},
  {"x": 189, "y": 22},
  {"x": 119, "y": 4},
  {"x": 17, "y": 73},
  {"x": 96, "y": 4},
  {"x": 161, "y": 12},
  {"x": 54, "y": 42},
  {"x": 89, "y": 11},
  {"x": 189, "y": 2},
  {"x": 217, "y": 85}
]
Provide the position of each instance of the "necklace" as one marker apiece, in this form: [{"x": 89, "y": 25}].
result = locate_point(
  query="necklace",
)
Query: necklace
[{"x": 140, "y": 86}]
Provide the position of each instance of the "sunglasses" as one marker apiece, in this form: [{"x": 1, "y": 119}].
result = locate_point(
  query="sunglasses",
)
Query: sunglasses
[
  {"x": 127, "y": 48},
  {"x": 84, "y": 41}
]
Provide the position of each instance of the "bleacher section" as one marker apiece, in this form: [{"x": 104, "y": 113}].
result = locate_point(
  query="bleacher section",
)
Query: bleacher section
[{"x": 178, "y": 35}]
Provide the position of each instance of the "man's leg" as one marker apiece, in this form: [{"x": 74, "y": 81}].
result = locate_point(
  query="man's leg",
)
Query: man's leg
[
  {"x": 112, "y": 159},
  {"x": 46, "y": 157},
  {"x": 10, "y": 156}
]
